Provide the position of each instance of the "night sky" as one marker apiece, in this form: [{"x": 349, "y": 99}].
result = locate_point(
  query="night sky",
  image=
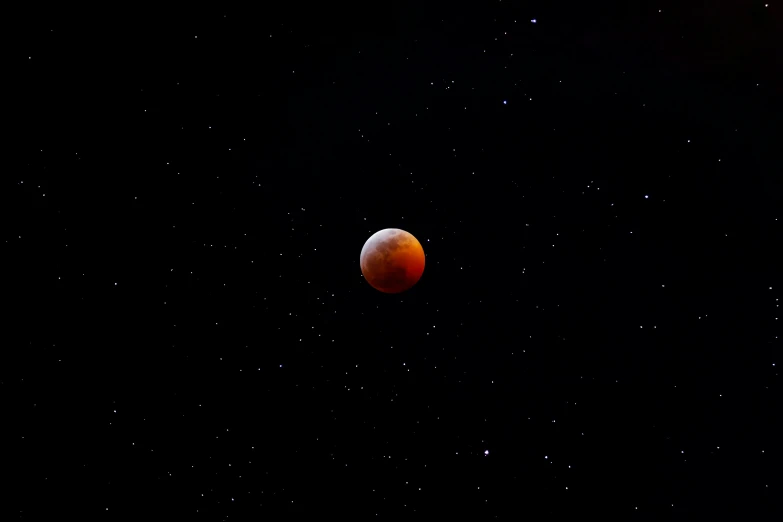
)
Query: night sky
[{"x": 597, "y": 190}]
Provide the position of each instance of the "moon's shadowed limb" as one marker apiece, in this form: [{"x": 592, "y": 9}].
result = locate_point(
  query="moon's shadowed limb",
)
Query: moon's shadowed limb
[{"x": 392, "y": 260}]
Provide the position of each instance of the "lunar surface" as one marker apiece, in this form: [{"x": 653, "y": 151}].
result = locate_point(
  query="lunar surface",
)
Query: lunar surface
[{"x": 392, "y": 260}]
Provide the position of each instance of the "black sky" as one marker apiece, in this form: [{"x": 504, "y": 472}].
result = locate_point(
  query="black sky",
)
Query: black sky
[{"x": 597, "y": 190}]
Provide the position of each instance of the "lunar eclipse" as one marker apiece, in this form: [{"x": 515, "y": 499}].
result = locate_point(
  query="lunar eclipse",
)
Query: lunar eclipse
[{"x": 392, "y": 260}]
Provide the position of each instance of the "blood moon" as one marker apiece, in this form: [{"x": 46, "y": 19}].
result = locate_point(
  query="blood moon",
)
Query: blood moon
[{"x": 392, "y": 260}]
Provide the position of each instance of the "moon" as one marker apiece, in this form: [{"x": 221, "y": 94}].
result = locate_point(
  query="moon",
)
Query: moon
[{"x": 392, "y": 260}]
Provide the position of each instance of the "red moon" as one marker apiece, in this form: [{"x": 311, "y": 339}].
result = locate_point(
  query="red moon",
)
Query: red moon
[{"x": 392, "y": 260}]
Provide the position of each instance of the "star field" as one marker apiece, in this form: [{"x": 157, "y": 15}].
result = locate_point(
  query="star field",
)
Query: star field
[{"x": 597, "y": 330}]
